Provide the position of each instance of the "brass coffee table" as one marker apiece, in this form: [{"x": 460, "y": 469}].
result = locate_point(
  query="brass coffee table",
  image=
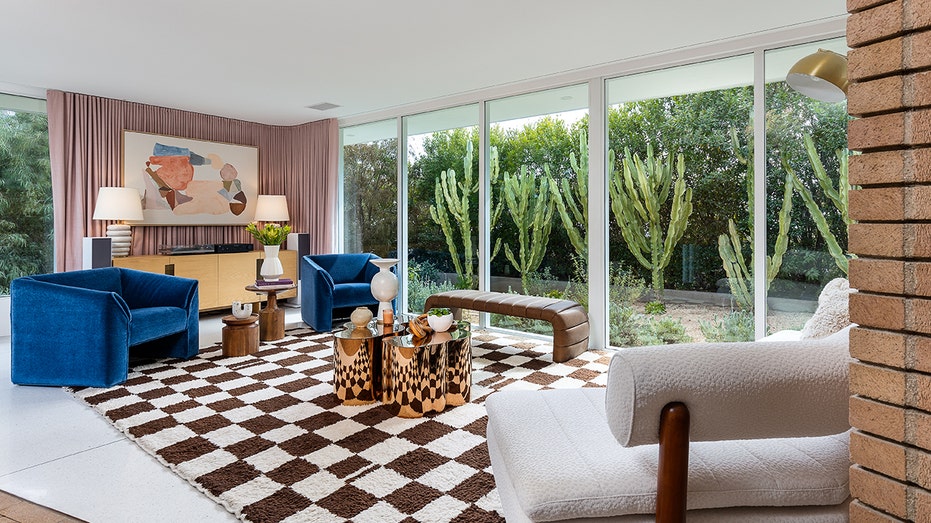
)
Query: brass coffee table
[
  {"x": 428, "y": 374},
  {"x": 357, "y": 361}
]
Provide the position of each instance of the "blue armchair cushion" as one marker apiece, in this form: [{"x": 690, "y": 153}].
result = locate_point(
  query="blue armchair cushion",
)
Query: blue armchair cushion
[
  {"x": 150, "y": 323},
  {"x": 352, "y": 293},
  {"x": 333, "y": 281},
  {"x": 77, "y": 328}
]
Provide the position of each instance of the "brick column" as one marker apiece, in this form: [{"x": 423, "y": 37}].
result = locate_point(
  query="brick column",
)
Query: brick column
[{"x": 890, "y": 383}]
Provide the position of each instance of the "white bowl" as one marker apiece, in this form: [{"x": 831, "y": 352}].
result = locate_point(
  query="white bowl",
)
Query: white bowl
[{"x": 440, "y": 323}]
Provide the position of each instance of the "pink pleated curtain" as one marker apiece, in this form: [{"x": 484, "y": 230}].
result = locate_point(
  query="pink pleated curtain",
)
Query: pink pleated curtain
[{"x": 84, "y": 143}]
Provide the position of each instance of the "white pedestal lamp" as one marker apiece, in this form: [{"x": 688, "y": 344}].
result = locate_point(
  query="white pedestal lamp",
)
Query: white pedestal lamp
[
  {"x": 119, "y": 204},
  {"x": 271, "y": 208}
]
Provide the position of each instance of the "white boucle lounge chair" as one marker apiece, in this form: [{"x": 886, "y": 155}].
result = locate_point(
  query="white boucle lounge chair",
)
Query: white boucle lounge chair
[{"x": 764, "y": 435}]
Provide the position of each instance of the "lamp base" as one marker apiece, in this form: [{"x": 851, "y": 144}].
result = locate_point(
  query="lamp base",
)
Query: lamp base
[{"x": 121, "y": 239}]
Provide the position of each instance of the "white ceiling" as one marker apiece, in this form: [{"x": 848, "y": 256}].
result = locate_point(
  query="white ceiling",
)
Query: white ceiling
[{"x": 267, "y": 61}]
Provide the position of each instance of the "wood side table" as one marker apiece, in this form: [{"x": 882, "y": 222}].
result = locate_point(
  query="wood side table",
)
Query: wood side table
[
  {"x": 240, "y": 335},
  {"x": 271, "y": 318}
]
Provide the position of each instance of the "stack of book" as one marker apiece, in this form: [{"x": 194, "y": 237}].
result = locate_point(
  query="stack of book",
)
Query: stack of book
[{"x": 280, "y": 282}]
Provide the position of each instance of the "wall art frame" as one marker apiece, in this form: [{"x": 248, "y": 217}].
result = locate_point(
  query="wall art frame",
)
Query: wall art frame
[{"x": 186, "y": 181}]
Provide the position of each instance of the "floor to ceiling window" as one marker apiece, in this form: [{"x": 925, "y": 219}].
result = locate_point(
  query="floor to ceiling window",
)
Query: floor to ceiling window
[
  {"x": 683, "y": 193},
  {"x": 370, "y": 188},
  {"x": 26, "y": 231},
  {"x": 679, "y": 173},
  {"x": 442, "y": 212},
  {"x": 806, "y": 146},
  {"x": 538, "y": 170}
]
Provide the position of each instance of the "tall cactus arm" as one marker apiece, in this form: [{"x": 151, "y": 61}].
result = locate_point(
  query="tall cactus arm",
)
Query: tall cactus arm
[
  {"x": 738, "y": 275},
  {"x": 822, "y": 176},
  {"x": 774, "y": 262},
  {"x": 840, "y": 259},
  {"x": 843, "y": 182}
]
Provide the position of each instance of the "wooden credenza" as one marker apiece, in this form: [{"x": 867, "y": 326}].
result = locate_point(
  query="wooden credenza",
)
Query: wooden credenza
[{"x": 221, "y": 278}]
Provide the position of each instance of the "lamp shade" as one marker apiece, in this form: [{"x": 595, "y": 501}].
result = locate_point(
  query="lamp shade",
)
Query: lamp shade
[
  {"x": 271, "y": 208},
  {"x": 118, "y": 203},
  {"x": 821, "y": 75}
]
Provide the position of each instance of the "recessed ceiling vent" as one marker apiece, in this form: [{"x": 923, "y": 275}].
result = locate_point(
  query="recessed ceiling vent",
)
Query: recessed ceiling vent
[{"x": 325, "y": 106}]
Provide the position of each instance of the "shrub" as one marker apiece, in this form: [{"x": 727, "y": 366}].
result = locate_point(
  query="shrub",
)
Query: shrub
[
  {"x": 655, "y": 307},
  {"x": 626, "y": 287},
  {"x": 545, "y": 283},
  {"x": 733, "y": 326},
  {"x": 630, "y": 329},
  {"x": 625, "y": 326},
  {"x": 663, "y": 330},
  {"x": 422, "y": 281}
]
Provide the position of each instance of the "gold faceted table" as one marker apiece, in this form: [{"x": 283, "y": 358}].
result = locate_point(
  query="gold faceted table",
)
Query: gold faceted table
[
  {"x": 421, "y": 375},
  {"x": 357, "y": 361}
]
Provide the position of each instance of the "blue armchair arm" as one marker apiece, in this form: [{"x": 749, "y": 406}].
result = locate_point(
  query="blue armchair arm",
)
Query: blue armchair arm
[
  {"x": 76, "y": 326},
  {"x": 316, "y": 296}
]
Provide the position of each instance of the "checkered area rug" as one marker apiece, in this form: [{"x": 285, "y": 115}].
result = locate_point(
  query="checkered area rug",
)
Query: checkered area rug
[{"x": 264, "y": 435}]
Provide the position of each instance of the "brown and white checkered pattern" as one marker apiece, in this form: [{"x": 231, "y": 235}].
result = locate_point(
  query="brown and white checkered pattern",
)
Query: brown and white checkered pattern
[{"x": 265, "y": 436}]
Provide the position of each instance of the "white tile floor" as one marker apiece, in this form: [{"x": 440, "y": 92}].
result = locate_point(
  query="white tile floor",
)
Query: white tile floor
[{"x": 59, "y": 453}]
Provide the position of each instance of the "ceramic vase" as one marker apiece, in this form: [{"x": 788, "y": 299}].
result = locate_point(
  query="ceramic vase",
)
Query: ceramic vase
[
  {"x": 384, "y": 286},
  {"x": 361, "y": 317},
  {"x": 271, "y": 267},
  {"x": 242, "y": 310}
]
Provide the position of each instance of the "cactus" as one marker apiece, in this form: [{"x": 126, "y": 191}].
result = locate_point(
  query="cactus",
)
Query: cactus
[
  {"x": 730, "y": 246},
  {"x": 573, "y": 204},
  {"x": 637, "y": 197},
  {"x": 530, "y": 205},
  {"x": 452, "y": 204},
  {"x": 837, "y": 196}
]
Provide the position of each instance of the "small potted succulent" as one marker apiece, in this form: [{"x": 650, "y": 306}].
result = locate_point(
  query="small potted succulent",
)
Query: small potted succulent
[{"x": 440, "y": 319}]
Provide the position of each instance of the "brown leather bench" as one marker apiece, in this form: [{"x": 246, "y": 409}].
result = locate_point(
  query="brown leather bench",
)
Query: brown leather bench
[{"x": 569, "y": 319}]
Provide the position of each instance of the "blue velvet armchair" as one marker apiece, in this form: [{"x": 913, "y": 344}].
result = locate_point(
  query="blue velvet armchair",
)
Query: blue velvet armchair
[
  {"x": 77, "y": 328},
  {"x": 333, "y": 281}
]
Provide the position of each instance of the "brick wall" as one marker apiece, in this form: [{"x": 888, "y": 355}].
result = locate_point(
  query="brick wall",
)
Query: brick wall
[{"x": 890, "y": 383}]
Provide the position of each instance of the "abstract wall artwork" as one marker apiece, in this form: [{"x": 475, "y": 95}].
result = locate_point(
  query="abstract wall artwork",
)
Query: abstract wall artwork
[{"x": 191, "y": 182}]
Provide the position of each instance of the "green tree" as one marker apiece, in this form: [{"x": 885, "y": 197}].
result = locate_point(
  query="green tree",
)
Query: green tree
[
  {"x": 371, "y": 181},
  {"x": 26, "y": 228}
]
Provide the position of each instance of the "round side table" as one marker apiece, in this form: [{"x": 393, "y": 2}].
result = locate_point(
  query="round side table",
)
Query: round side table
[
  {"x": 271, "y": 318},
  {"x": 240, "y": 335}
]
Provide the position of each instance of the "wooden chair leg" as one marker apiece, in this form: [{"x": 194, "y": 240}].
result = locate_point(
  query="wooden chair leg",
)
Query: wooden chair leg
[{"x": 673, "y": 475}]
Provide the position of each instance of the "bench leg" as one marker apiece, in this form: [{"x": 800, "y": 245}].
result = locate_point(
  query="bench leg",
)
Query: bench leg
[{"x": 561, "y": 354}]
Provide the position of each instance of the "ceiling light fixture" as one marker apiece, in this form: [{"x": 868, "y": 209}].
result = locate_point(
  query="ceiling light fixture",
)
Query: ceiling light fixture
[
  {"x": 325, "y": 106},
  {"x": 821, "y": 75}
]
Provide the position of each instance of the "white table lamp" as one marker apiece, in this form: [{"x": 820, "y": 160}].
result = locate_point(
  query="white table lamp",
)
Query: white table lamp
[
  {"x": 119, "y": 204},
  {"x": 271, "y": 208}
]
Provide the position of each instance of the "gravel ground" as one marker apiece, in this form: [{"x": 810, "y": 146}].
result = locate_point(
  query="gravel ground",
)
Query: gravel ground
[{"x": 691, "y": 313}]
